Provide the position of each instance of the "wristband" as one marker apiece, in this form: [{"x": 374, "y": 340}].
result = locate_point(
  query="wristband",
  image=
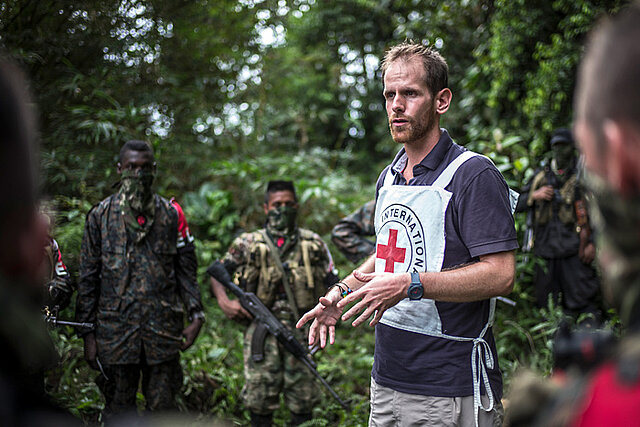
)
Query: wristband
[
  {"x": 336, "y": 285},
  {"x": 347, "y": 292},
  {"x": 344, "y": 291}
]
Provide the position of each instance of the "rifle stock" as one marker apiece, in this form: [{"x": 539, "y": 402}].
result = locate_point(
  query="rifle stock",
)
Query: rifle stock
[{"x": 263, "y": 315}]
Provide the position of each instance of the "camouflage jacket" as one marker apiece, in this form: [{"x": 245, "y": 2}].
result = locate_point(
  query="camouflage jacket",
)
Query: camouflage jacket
[
  {"x": 350, "y": 234},
  {"x": 58, "y": 286},
  {"x": 308, "y": 261},
  {"x": 135, "y": 293}
]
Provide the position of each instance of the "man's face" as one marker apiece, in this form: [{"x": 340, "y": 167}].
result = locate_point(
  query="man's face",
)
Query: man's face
[
  {"x": 280, "y": 198},
  {"x": 409, "y": 103},
  {"x": 563, "y": 153},
  {"x": 137, "y": 160}
]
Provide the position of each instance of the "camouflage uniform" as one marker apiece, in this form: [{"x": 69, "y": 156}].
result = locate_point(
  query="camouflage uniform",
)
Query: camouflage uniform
[
  {"x": 557, "y": 241},
  {"x": 310, "y": 268},
  {"x": 133, "y": 285},
  {"x": 56, "y": 278},
  {"x": 349, "y": 235}
]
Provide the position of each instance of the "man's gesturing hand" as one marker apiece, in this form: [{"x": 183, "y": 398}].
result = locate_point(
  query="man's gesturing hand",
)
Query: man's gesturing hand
[
  {"x": 325, "y": 315},
  {"x": 381, "y": 291}
]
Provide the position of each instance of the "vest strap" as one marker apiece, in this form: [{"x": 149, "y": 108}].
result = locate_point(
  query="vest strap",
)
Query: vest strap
[
  {"x": 306, "y": 257},
  {"x": 447, "y": 174},
  {"x": 285, "y": 277}
]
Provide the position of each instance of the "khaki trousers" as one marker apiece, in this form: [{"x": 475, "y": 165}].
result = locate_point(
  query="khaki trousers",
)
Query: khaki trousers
[{"x": 393, "y": 408}]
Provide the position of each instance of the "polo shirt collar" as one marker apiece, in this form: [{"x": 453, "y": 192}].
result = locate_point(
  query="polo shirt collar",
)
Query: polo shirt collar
[{"x": 431, "y": 160}]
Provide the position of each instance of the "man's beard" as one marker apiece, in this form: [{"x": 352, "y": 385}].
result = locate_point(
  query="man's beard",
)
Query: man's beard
[{"x": 413, "y": 130}]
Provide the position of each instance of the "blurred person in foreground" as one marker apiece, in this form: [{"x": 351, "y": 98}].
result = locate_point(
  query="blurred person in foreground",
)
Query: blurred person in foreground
[
  {"x": 137, "y": 284},
  {"x": 607, "y": 129},
  {"x": 27, "y": 349},
  {"x": 445, "y": 241}
]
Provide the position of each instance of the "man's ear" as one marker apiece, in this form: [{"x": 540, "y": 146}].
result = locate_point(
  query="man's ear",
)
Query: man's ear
[
  {"x": 119, "y": 168},
  {"x": 266, "y": 208},
  {"x": 623, "y": 159},
  {"x": 443, "y": 100}
]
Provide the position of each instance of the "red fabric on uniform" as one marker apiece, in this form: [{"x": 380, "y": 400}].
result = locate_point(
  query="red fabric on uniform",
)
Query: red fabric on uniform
[{"x": 183, "y": 227}]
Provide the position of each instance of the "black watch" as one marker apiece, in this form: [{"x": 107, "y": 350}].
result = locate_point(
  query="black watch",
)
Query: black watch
[{"x": 415, "y": 288}]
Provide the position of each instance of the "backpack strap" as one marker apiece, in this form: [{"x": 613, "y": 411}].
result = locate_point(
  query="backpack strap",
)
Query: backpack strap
[{"x": 306, "y": 257}]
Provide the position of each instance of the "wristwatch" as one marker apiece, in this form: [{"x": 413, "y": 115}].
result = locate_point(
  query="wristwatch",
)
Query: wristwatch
[{"x": 415, "y": 288}]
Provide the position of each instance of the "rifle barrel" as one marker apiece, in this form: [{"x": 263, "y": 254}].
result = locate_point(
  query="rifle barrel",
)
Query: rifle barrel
[
  {"x": 324, "y": 383},
  {"x": 76, "y": 324}
]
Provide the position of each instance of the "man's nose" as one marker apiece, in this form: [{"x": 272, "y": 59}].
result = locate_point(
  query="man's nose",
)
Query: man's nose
[{"x": 397, "y": 104}]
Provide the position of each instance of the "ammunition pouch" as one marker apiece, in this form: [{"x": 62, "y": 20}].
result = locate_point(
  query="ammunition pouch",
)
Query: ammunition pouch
[{"x": 257, "y": 342}]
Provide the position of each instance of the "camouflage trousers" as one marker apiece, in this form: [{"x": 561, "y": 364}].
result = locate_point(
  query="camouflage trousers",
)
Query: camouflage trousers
[
  {"x": 279, "y": 372},
  {"x": 160, "y": 384}
]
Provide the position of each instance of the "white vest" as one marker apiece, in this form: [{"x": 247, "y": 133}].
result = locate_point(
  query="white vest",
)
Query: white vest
[{"x": 410, "y": 237}]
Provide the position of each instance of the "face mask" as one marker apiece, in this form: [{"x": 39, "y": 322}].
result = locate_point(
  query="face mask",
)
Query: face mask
[
  {"x": 616, "y": 220},
  {"x": 563, "y": 155},
  {"x": 282, "y": 219},
  {"x": 136, "y": 188}
]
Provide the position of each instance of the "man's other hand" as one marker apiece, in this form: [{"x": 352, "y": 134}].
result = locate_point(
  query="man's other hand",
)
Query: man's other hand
[
  {"x": 543, "y": 193},
  {"x": 325, "y": 316},
  {"x": 234, "y": 310},
  {"x": 381, "y": 291},
  {"x": 190, "y": 333},
  {"x": 91, "y": 350}
]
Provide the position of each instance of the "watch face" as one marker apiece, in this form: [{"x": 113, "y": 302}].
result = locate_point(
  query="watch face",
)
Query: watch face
[{"x": 415, "y": 292}]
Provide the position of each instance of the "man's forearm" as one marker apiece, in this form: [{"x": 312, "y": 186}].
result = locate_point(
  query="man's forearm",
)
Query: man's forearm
[
  {"x": 218, "y": 290},
  {"x": 492, "y": 276}
]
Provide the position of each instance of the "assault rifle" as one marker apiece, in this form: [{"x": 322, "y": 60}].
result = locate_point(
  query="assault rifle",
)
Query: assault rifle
[
  {"x": 51, "y": 319},
  {"x": 263, "y": 316}
]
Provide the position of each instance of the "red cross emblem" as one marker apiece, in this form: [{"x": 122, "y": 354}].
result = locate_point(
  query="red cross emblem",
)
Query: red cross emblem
[{"x": 390, "y": 252}]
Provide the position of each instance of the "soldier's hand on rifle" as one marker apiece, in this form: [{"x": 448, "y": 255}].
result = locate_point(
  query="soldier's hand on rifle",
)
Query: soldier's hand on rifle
[
  {"x": 233, "y": 310},
  {"x": 325, "y": 316},
  {"x": 381, "y": 291},
  {"x": 91, "y": 350},
  {"x": 190, "y": 333},
  {"x": 543, "y": 193}
]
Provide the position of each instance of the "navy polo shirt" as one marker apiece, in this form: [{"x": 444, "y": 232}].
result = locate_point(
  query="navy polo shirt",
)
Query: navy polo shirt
[{"x": 478, "y": 221}]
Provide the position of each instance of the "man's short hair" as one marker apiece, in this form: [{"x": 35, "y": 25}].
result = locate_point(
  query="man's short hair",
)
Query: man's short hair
[
  {"x": 435, "y": 66},
  {"x": 275, "y": 186},
  {"x": 608, "y": 85},
  {"x": 135, "y": 145}
]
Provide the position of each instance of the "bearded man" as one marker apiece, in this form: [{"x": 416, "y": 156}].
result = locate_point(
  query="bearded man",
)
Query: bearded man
[
  {"x": 137, "y": 272},
  {"x": 445, "y": 241}
]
